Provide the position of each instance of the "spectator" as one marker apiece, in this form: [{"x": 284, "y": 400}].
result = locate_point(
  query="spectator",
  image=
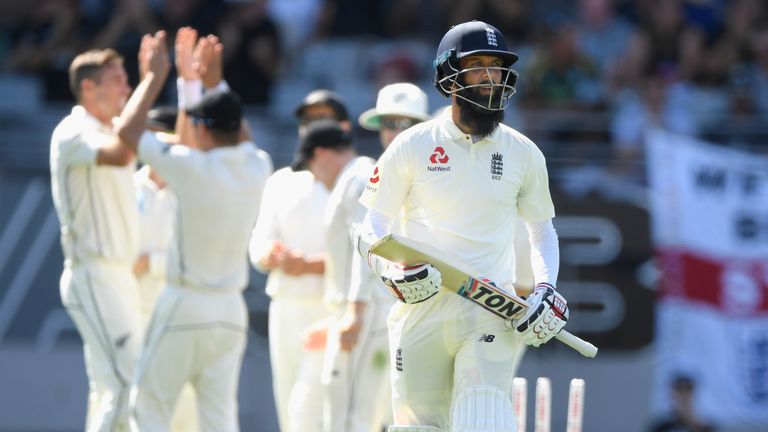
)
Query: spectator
[
  {"x": 665, "y": 46},
  {"x": 252, "y": 50},
  {"x": 561, "y": 76},
  {"x": 512, "y": 17},
  {"x": 656, "y": 105},
  {"x": 44, "y": 43},
  {"x": 682, "y": 417},
  {"x": 129, "y": 20},
  {"x": 756, "y": 73},
  {"x": 602, "y": 35},
  {"x": 351, "y": 18},
  {"x": 296, "y": 20},
  {"x": 199, "y": 14}
]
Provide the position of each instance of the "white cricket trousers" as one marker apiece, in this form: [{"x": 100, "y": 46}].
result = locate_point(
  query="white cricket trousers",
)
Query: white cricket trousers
[
  {"x": 102, "y": 298},
  {"x": 442, "y": 347},
  {"x": 295, "y": 371},
  {"x": 184, "y": 417},
  {"x": 195, "y": 337},
  {"x": 356, "y": 383}
]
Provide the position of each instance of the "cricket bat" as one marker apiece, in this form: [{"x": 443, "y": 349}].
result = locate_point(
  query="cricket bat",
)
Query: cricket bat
[{"x": 465, "y": 282}]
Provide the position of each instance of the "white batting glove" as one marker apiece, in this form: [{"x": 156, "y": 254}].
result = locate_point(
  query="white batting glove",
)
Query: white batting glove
[
  {"x": 546, "y": 316},
  {"x": 413, "y": 284}
]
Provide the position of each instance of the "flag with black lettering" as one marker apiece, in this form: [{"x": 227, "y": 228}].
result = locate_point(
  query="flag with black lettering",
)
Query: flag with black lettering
[{"x": 709, "y": 207}]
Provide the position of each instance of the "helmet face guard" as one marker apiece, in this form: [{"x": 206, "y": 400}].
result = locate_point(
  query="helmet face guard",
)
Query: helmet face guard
[
  {"x": 452, "y": 83},
  {"x": 475, "y": 38}
]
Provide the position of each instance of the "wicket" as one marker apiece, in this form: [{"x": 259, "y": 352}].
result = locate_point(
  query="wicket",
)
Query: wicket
[{"x": 543, "y": 404}]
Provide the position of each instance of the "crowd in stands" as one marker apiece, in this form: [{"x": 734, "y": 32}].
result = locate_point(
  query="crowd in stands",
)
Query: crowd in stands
[{"x": 691, "y": 66}]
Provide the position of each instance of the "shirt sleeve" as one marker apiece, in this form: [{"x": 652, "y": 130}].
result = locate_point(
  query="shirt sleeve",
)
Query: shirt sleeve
[
  {"x": 534, "y": 201},
  {"x": 80, "y": 147},
  {"x": 265, "y": 231},
  {"x": 363, "y": 280},
  {"x": 173, "y": 162},
  {"x": 390, "y": 181},
  {"x": 545, "y": 251},
  {"x": 374, "y": 225}
]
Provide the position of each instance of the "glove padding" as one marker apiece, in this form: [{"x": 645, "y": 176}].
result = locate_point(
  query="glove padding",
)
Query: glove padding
[
  {"x": 412, "y": 284},
  {"x": 545, "y": 317}
]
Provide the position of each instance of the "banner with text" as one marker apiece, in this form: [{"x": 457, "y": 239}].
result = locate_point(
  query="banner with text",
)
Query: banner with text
[{"x": 709, "y": 209}]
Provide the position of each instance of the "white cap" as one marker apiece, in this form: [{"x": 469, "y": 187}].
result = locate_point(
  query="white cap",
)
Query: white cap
[{"x": 401, "y": 99}]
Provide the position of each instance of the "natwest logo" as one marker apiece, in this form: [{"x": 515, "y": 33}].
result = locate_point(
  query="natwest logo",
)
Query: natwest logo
[{"x": 439, "y": 156}]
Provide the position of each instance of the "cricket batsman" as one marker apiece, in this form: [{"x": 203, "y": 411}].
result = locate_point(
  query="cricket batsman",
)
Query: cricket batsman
[{"x": 460, "y": 182}]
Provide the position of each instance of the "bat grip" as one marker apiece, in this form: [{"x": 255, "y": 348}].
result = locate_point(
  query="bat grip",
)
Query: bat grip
[{"x": 585, "y": 348}]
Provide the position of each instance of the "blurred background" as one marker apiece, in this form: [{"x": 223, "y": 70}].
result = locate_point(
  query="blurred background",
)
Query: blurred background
[{"x": 651, "y": 113}]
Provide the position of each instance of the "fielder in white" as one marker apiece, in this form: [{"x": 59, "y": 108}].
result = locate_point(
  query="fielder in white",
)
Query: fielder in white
[
  {"x": 289, "y": 242},
  {"x": 398, "y": 107},
  {"x": 95, "y": 202},
  {"x": 459, "y": 182},
  {"x": 157, "y": 212},
  {"x": 355, "y": 364},
  {"x": 199, "y": 326}
]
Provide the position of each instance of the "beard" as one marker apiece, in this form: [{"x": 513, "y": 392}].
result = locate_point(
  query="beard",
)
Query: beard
[{"x": 479, "y": 120}]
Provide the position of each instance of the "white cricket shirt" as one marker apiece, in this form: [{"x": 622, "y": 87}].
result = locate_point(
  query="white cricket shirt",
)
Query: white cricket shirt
[
  {"x": 217, "y": 195},
  {"x": 344, "y": 210},
  {"x": 292, "y": 212},
  {"x": 461, "y": 197},
  {"x": 96, "y": 204}
]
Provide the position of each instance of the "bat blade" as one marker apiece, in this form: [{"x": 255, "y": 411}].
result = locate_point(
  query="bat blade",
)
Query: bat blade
[{"x": 464, "y": 281}]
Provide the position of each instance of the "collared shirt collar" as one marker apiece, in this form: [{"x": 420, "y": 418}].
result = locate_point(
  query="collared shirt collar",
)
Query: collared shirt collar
[
  {"x": 450, "y": 131},
  {"x": 87, "y": 119},
  {"x": 234, "y": 152}
]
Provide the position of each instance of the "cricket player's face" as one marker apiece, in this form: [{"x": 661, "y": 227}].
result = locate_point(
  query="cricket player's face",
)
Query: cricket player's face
[
  {"x": 320, "y": 111},
  {"x": 391, "y": 126},
  {"x": 481, "y": 69},
  {"x": 316, "y": 112},
  {"x": 112, "y": 89}
]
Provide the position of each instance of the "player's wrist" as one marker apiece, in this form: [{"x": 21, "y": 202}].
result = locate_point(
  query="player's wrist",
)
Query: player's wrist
[
  {"x": 189, "y": 92},
  {"x": 220, "y": 86}
]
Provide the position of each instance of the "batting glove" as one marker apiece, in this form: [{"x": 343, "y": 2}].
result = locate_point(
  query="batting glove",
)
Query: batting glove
[
  {"x": 547, "y": 314},
  {"x": 413, "y": 284}
]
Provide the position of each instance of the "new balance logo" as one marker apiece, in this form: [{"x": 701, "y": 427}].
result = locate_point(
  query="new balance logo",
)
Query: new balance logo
[
  {"x": 439, "y": 156},
  {"x": 487, "y": 338}
]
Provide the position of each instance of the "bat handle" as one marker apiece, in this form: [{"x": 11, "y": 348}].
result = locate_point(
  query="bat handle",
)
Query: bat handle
[{"x": 585, "y": 348}]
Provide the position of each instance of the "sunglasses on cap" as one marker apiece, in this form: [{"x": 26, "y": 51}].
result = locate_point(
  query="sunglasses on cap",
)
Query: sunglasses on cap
[{"x": 397, "y": 123}]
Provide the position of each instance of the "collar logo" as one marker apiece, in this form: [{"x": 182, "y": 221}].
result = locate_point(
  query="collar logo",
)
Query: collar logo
[
  {"x": 439, "y": 156},
  {"x": 375, "y": 177}
]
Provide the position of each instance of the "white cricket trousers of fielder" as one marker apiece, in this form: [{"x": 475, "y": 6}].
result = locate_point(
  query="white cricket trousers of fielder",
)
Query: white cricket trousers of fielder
[
  {"x": 296, "y": 372},
  {"x": 184, "y": 417},
  {"x": 102, "y": 299},
  {"x": 451, "y": 358},
  {"x": 198, "y": 337},
  {"x": 356, "y": 383}
]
